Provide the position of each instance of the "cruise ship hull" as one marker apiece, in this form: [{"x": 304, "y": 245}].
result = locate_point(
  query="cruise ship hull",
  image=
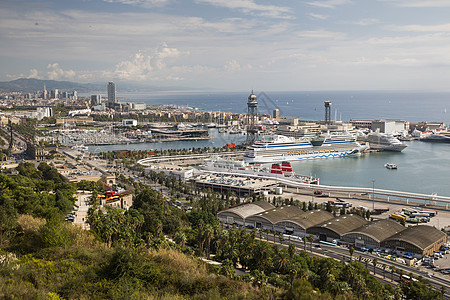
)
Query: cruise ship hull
[
  {"x": 395, "y": 148},
  {"x": 436, "y": 138},
  {"x": 317, "y": 154},
  {"x": 384, "y": 142}
]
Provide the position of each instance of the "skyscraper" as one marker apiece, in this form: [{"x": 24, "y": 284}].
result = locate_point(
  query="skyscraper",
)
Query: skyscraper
[{"x": 111, "y": 94}]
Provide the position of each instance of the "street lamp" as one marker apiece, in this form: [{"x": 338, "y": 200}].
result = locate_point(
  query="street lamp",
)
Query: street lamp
[{"x": 373, "y": 194}]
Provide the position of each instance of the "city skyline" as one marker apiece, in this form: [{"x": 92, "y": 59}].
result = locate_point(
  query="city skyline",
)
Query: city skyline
[{"x": 230, "y": 45}]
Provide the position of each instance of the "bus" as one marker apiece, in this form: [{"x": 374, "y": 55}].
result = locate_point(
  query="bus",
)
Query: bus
[
  {"x": 407, "y": 279},
  {"x": 432, "y": 213},
  {"x": 408, "y": 211},
  {"x": 420, "y": 215},
  {"x": 328, "y": 243},
  {"x": 397, "y": 217}
]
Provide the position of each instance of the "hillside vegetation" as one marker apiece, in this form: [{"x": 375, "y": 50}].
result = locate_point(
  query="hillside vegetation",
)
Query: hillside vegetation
[{"x": 128, "y": 254}]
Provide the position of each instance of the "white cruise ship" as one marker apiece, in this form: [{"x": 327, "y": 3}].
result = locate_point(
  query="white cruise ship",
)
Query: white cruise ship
[
  {"x": 282, "y": 148},
  {"x": 384, "y": 142}
]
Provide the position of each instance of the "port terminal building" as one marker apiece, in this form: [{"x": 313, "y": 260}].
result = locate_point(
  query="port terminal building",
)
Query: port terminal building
[
  {"x": 349, "y": 229},
  {"x": 421, "y": 240},
  {"x": 371, "y": 235},
  {"x": 238, "y": 214},
  {"x": 240, "y": 185},
  {"x": 334, "y": 229}
]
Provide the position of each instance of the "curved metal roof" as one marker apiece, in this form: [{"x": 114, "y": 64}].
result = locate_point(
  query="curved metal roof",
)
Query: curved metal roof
[
  {"x": 245, "y": 210},
  {"x": 341, "y": 224},
  {"x": 310, "y": 218},
  {"x": 421, "y": 236},
  {"x": 378, "y": 230}
]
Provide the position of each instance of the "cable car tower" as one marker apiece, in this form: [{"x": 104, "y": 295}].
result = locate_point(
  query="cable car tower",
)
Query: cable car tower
[{"x": 252, "y": 117}]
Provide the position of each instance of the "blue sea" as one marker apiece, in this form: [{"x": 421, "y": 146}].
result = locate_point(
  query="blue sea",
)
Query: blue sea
[
  {"x": 422, "y": 167},
  {"x": 409, "y": 106}
]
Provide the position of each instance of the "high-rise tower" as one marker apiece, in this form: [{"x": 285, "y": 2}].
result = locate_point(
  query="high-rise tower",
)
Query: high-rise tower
[
  {"x": 252, "y": 118},
  {"x": 327, "y": 112},
  {"x": 111, "y": 94}
]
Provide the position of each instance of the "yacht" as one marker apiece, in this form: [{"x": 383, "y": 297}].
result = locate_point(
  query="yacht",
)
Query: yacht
[
  {"x": 438, "y": 137},
  {"x": 391, "y": 166},
  {"x": 384, "y": 142}
]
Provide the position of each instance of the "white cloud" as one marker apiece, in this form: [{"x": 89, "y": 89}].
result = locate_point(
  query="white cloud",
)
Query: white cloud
[
  {"x": 57, "y": 73},
  {"x": 422, "y": 28},
  {"x": 33, "y": 74},
  {"x": 234, "y": 65},
  {"x": 321, "y": 34},
  {"x": 329, "y": 3},
  {"x": 419, "y": 3},
  {"x": 367, "y": 22},
  {"x": 144, "y": 66},
  {"x": 145, "y": 3},
  {"x": 250, "y": 7},
  {"x": 137, "y": 68},
  {"x": 317, "y": 16}
]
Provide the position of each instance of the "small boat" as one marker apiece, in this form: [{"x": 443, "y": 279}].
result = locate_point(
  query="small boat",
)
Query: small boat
[{"x": 391, "y": 166}]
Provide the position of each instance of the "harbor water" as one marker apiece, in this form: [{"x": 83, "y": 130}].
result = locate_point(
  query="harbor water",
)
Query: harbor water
[{"x": 422, "y": 167}]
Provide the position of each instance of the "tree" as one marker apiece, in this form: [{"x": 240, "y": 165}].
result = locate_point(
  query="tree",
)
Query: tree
[
  {"x": 281, "y": 238},
  {"x": 374, "y": 262},
  {"x": 392, "y": 268},
  {"x": 351, "y": 250},
  {"x": 291, "y": 250},
  {"x": 311, "y": 240},
  {"x": 180, "y": 238}
]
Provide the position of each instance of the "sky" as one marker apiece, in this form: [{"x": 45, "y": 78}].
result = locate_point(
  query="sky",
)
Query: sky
[{"x": 234, "y": 45}]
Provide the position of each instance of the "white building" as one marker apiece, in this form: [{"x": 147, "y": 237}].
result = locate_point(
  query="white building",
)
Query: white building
[
  {"x": 389, "y": 126},
  {"x": 129, "y": 122}
]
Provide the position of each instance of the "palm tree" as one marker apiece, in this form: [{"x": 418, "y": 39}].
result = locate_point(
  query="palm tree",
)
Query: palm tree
[
  {"x": 180, "y": 238},
  {"x": 281, "y": 238},
  {"x": 208, "y": 234},
  {"x": 374, "y": 262},
  {"x": 304, "y": 242},
  {"x": 311, "y": 240},
  {"x": 392, "y": 268},
  {"x": 351, "y": 250},
  {"x": 384, "y": 270},
  {"x": 292, "y": 250}
]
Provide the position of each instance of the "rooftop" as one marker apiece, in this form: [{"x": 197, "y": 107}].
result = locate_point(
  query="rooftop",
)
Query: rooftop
[
  {"x": 343, "y": 224},
  {"x": 281, "y": 213},
  {"x": 379, "y": 230},
  {"x": 245, "y": 210},
  {"x": 310, "y": 218},
  {"x": 420, "y": 236}
]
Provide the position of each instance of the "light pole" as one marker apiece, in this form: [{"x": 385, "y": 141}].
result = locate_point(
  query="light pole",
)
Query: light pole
[{"x": 373, "y": 194}]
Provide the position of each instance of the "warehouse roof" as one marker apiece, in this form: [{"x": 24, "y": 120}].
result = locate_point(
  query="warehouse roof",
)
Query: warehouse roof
[
  {"x": 341, "y": 224},
  {"x": 310, "y": 218},
  {"x": 421, "y": 236},
  {"x": 280, "y": 213},
  {"x": 245, "y": 210},
  {"x": 379, "y": 230}
]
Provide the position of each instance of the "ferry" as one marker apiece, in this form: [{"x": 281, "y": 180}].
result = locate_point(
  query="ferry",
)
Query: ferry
[
  {"x": 391, "y": 166},
  {"x": 281, "y": 148},
  {"x": 281, "y": 170}
]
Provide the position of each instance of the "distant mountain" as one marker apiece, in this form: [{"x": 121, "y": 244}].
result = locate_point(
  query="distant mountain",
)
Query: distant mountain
[
  {"x": 27, "y": 85},
  {"x": 32, "y": 84}
]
